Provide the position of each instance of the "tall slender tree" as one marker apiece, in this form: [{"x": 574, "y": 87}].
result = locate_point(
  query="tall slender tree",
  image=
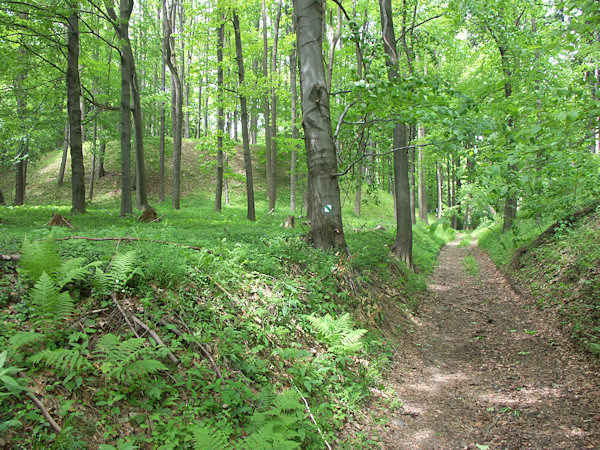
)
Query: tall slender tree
[{"x": 403, "y": 243}]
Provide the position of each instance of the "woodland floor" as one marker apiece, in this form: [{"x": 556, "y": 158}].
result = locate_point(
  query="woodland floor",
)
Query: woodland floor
[{"x": 484, "y": 367}]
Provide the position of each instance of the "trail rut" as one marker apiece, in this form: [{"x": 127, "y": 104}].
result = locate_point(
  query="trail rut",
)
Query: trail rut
[{"x": 484, "y": 366}]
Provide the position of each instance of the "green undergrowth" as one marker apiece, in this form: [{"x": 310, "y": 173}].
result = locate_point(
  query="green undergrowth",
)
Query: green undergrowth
[
  {"x": 254, "y": 326},
  {"x": 560, "y": 269}
]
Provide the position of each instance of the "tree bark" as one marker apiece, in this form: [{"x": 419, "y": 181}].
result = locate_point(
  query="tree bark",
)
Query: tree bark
[
  {"x": 140, "y": 164},
  {"x": 220, "y": 116},
  {"x": 177, "y": 107},
  {"x": 163, "y": 88},
  {"x": 413, "y": 181},
  {"x": 336, "y": 38},
  {"x": 440, "y": 184},
  {"x": 73, "y": 106},
  {"x": 63, "y": 160},
  {"x": 251, "y": 214},
  {"x": 2, "y": 201},
  {"x": 422, "y": 186},
  {"x": 403, "y": 243},
  {"x": 100, "y": 171},
  {"x": 266, "y": 100},
  {"x": 326, "y": 230},
  {"x": 125, "y": 9},
  {"x": 273, "y": 177},
  {"x": 295, "y": 134}
]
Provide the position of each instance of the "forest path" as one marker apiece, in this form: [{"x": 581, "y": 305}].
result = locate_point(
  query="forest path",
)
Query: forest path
[{"x": 484, "y": 368}]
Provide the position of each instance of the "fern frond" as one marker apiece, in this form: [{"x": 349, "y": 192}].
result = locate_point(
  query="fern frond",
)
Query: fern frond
[
  {"x": 207, "y": 437},
  {"x": 352, "y": 339},
  {"x": 143, "y": 367},
  {"x": 38, "y": 257},
  {"x": 71, "y": 271},
  {"x": 106, "y": 343},
  {"x": 122, "y": 267},
  {"x": 44, "y": 297},
  {"x": 288, "y": 400},
  {"x": 62, "y": 360},
  {"x": 25, "y": 338}
]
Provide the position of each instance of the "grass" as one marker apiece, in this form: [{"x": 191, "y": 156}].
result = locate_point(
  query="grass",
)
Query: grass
[
  {"x": 470, "y": 265},
  {"x": 244, "y": 298}
]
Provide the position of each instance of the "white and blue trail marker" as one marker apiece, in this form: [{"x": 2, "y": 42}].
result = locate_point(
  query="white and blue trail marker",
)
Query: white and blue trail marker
[{"x": 327, "y": 208}]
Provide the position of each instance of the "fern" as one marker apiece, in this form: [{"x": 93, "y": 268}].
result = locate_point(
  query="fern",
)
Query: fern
[
  {"x": 25, "y": 338},
  {"x": 119, "y": 272},
  {"x": 338, "y": 334},
  {"x": 47, "y": 303},
  {"x": 64, "y": 361},
  {"x": 38, "y": 257},
  {"x": 208, "y": 437},
  {"x": 126, "y": 360},
  {"x": 71, "y": 271},
  {"x": 277, "y": 426}
]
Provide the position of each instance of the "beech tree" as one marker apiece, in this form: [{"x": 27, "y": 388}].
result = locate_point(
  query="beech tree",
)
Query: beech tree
[
  {"x": 403, "y": 243},
  {"x": 326, "y": 230}
]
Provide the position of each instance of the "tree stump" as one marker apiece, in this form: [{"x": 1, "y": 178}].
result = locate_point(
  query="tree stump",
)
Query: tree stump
[
  {"x": 149, "y": 215},
  {"x": 290, "y": 222},
  {"x": 59, "y": 221}
]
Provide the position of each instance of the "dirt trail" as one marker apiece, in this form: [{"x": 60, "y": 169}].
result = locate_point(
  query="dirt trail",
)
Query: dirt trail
[{"x": 484, "y": 366}]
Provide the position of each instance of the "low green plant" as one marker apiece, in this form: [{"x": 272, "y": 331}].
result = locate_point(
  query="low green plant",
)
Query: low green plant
[
  {"x": 470, "y": 265},
  {"x": 338, "y": 333},
  {"x": 126, "y": 360}
]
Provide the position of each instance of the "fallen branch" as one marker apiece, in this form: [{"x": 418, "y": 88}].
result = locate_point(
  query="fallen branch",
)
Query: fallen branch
[
  {"x": 492, "y": 425},
  {"x": 311, "y": 416},
  {"x": 156, "y": 338},
  {"x": 114, "y": 297},
  {"x": 41, "y": 407},
  {"x": 45, "y": 412},
  {"x": 221, "y": 288},
  {"x": 205, "y": 352}
]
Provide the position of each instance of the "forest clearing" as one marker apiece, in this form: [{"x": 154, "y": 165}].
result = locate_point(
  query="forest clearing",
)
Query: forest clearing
[{"x": 299, "y": 224}]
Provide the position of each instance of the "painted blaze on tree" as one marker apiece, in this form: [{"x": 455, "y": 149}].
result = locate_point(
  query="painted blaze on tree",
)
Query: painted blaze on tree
[{"x": 326, "y": 230}]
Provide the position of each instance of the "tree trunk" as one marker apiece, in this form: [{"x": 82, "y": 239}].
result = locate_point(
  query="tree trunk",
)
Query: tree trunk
[
  {"x": 100, "y": 172},
  {"x": 140, "y": 164},
  {"x": 20, "y": 174},
  {"x": 422, "y": 186},
  {"x": 273, "y": 177},
  {"x": 2, "y": 201},
  {"x": 125, "y": 9},
  {"x": 403, "y": 244},
  {"x": 177, "y": 107},
  {"x": 440, "y": 183},
  {"x": 413, "y": 181},
  {"x": 220, "y": 116},
  {"x": 336, "y": 38},
  {"x": 23, "y": 153},
  {"x": 326, "y": 230},
  {"x": 266, "y": 101},
  {"x": 163, "y": 88},
  {"x": 295, "y": 134},
  {"x": 244, "y": 111},
  {"x": 93, "y": 172},
  {"x": 63, "y": 160},
  {"x": 199, "y": 127},
  {"x": 73, "y": 106}
]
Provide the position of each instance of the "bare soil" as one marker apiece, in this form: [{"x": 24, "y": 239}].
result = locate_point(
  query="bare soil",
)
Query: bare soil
[{"x": 484, "y": 367}]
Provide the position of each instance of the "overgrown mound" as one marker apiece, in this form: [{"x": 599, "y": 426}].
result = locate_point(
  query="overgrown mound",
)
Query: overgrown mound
[
  {"x": 563, "y": 270},
  {"x": 560, "y": 266},
  {"x": 239, "y": 336}
]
